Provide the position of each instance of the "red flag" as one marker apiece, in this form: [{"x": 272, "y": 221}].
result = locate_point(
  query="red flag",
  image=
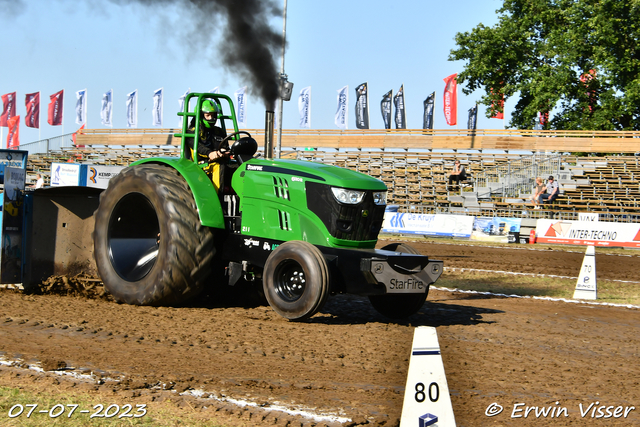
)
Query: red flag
[
  {"x": 451, "y": 100},
  {"x": 32, "y": 102},
  {"x": 9, "y": 102},
  {"x": 55, "y": 109},
  {"x": 13, "y": 139}
]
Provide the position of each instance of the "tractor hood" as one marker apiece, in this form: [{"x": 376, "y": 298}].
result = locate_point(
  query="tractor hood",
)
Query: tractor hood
[{"x": 326, "y": 174}]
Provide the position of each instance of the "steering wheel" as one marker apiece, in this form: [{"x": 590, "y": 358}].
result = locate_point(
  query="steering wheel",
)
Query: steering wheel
[{"x": 231, "y": 135}]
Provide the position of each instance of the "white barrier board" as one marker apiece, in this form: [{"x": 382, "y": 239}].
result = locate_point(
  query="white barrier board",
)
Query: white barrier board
[
  {"x": 428, "y": 224},
  {"x": 426, "y": 396}
]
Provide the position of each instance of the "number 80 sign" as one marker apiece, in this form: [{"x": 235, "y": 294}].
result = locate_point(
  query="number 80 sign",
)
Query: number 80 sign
[{"x": 426, "y": 398}]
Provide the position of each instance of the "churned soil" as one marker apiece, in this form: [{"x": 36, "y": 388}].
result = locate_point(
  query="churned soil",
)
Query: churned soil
[{"x": 347, "y": 365}]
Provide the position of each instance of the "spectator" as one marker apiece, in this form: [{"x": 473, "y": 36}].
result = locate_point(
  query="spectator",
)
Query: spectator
[
  {"x": 553, "y": 190},
  {"x": 538, "y": 189},
  {"x": 39, "y": 181},
  {"x": 459, "y": 174}
]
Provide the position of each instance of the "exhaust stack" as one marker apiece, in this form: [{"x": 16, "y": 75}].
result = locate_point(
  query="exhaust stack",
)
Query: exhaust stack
[{"x": 268, "y": 134}]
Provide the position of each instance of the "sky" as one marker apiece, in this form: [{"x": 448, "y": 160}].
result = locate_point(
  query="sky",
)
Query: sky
[{"x": 50, "y": 45}]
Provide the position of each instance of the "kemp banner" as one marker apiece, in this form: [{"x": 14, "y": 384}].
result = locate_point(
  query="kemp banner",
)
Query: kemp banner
[
  {"x": 385, "y": 109},
  {"x": 400, "y": 117},
  {"x": 12, "y": 224},
  {"x": 54, "y": 117},
  {"x": 9, "y": 110},
  {"x": 32, "y": 104},
  {"x": 429, "y": 103},
  {"x": 451, "y": 100},
  {"x": 428, "y": 224},
  {"x": 362, "y": 106},
  {"x": 595, "y": 233}
]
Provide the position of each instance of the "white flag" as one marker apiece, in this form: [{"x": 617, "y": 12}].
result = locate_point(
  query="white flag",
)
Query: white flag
[
  {"x": 106, "y": 113},
  {"x": 81, "y": 107},
  {"x": 304, "y": 107},
  {"x": 157, "y": 108},
  {"x": 342, "y": 113},
  {"x": 181, "y": 104},
  {"x": 132, "y": 109},
  {"x": 215, "y": 90},
  {"x": 241, "y": 106}
]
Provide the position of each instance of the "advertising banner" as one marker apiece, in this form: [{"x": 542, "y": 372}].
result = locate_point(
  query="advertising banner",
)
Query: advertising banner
[
  {"x": 595, "y": 233},
  {"x": 81, "y": 107},
  {"x": 157, "y": 111},
  {"x": 32, "y": 104},
  {"x": 400, "y": 116},
  {"x": 106, "y": 112},
  {"x": 132, "y": 109},
  {"x": 342, "y": 113},
  {"x": 12, "y": 224},
  {"x": 241, "y": 106},
  {"x": 56, "y": 109},
  {"x": 495, "y": 229},
  {"x": 428, "y": 224},
  {"x": 99, "y": 176},
  {"x": 429, "y": 103},
  {"x": 451, "y": 100},
  {"x": 304, "y": 107},
  {"x": 362, "y": 106},
  {"x": 385, "y": 109},
  {"x": 9, "y": 108},
  {"x": 63, "y": 174}
]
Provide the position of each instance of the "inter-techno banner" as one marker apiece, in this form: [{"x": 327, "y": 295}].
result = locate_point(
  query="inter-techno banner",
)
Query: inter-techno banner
[
  {"x": 400, "y": 117},
  {"x": 32, "y": 104},
  {"x": 429, "y": 103},
  {"x": 385, "y": 109},
  {"x": 106, "y": 112},
  {"x": 428, "y": 224},
  {"x": 362, "y": 106},
  {"x": 81, "y": 107},
  {"x": 342, "y": 115},
  {"x": 304, "y": 107},
  {"x": 157, "y": 107},
  {"x": 451, "y": 100},
  {"x": 132, "y": 109},
  {"x": 597, "y": 233}
]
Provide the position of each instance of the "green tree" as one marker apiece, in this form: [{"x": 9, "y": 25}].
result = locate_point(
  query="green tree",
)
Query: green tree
[{"x": 540, "y": 49}]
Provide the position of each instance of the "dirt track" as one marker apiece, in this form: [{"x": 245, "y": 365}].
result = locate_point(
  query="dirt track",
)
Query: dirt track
[{"x": 348, "y": 361}]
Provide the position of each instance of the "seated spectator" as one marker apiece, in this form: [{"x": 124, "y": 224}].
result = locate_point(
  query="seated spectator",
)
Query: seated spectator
[
  {"x": 538, "y": 189},
  {"x": 553, "y": 190},
  {"x": 459, "y": 174}
]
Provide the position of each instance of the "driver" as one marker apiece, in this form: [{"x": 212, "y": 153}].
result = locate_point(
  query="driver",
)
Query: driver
[{"x": 210, "y": 137}]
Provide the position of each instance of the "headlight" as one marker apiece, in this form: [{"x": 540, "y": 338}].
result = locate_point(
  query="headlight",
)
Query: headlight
[
  {"x": 380, "y": 198},
  {"x": 350, "y": 197}
]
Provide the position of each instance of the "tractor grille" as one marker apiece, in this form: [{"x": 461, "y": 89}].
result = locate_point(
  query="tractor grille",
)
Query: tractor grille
[
  {"x": 281, "y": 188},
  {"x": 347, "y": 222}
]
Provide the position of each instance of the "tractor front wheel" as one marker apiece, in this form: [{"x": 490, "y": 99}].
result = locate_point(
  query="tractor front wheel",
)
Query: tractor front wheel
[
  {"x": 296, "y": 280},
  {"x": 149, "y": 245},
  {"x": 398, "y": 306}
]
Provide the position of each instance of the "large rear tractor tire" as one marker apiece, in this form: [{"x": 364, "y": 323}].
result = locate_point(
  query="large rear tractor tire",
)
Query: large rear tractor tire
[
  {"x": 149, "y": 245},
  {"x": 398, "y": 306},
  {"x": 296, "y": 280}
]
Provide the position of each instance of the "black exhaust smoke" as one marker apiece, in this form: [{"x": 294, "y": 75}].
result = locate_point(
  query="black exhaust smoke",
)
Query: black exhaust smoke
[{"x": 246, "y": 44}]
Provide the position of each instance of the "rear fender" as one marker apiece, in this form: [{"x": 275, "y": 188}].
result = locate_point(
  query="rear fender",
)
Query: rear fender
[{"x": 204, "y": 193}]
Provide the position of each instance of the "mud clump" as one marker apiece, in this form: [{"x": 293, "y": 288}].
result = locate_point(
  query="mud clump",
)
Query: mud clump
[{"x": 77, "y": 286}]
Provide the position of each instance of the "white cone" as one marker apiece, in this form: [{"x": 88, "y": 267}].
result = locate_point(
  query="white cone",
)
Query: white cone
[{"x": 587, "y": 287}]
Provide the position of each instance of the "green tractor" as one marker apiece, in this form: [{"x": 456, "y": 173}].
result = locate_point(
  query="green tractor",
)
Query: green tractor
[{"x": 304, "y": 229}]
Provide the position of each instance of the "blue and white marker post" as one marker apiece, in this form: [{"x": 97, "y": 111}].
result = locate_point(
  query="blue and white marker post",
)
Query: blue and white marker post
[
  {"x": 587, "y": 286},
  {"x": 426, "y": 396}
]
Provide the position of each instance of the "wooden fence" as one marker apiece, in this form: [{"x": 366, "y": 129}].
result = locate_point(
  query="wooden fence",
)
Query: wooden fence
[{"x": 457, "y": 139}]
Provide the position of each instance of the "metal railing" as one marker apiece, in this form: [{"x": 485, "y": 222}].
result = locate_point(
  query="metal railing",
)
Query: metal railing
[
  {"x": 516, "y": 176},
  {"x": 55, "y": 143}
]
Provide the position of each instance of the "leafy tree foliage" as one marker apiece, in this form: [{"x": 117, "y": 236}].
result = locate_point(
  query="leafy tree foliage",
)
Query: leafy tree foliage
[{"x": 578, "y": 59}]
